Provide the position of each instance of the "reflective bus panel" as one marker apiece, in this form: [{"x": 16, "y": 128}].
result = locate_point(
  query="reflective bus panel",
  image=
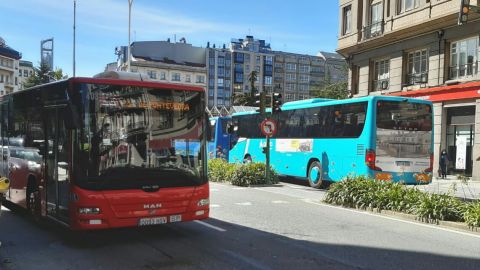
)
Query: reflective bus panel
[
  {"x": 328, "y": 140},
  {"x": 103, "y": 153}
]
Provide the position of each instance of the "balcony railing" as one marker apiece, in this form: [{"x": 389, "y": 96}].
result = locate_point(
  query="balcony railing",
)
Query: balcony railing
[
  {"x": 416, "y": 78},
  {"x": 373, "y": 30},
  {"x": 381, "y": 84},
  {"x": 462, "y": 71}
]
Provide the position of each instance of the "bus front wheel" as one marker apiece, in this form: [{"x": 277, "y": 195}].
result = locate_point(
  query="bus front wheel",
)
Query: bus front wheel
[{"x": 315, "y": 174}]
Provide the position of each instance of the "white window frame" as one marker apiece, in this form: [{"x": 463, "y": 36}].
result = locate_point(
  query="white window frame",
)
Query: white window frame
[
  {"x": 381, "y": 72},
  {"x": 347, "y": 20},
  {"x": 464, "y": 57},
  {"x": 417, "y": 65}
]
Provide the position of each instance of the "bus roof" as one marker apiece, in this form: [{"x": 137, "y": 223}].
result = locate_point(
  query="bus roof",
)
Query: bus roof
[{"x": 317, "y": 102}]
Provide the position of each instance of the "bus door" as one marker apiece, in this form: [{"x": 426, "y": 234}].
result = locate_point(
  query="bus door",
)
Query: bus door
[
  {"x": 56, "y": 171},
  {"x": 4, "y": 162}
]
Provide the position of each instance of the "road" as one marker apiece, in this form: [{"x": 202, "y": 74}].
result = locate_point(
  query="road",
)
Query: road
[{"x": 274, "y": 227}]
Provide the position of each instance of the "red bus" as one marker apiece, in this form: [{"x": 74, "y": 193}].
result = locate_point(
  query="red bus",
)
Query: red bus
[{"x": 105, "y": 152}]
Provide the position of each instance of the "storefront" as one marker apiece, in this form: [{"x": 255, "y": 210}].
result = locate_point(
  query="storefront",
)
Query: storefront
[{"x": 455, "y": 114}]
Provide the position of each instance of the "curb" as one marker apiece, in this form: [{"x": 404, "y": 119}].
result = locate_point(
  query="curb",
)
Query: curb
[{"x": 458, "y": 226}]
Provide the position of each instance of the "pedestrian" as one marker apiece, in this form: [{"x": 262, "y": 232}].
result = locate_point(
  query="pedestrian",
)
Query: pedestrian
[{"x": 443, "y": 164}]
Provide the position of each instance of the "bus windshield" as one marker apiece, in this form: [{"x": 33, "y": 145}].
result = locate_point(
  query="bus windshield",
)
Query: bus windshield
[
  {"x": 136, "y": 136},
  {"x": 404, "y": 129}
]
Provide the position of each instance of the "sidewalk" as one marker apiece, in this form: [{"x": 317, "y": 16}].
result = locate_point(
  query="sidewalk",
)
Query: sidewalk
[{"x": 465, "y": 190}]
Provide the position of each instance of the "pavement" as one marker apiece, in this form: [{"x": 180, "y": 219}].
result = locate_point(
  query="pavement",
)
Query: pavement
[{"x": 469, "y": 190}]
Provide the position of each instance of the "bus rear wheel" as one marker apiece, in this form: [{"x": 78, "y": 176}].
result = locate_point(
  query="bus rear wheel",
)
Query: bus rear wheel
[{"x": 315, "y": 174}]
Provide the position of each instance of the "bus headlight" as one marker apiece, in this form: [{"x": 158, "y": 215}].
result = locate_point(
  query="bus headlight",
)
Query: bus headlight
[
  {"x": 89, "y": 210},
  {"x": 203, "y": 202}
]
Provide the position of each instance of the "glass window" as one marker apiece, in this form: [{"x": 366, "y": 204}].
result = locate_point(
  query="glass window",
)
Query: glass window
[
  {"x": 268, "y": 80},
  {"x": 176, "y": 77},
  {"x": 417, "y": 64},
  {"x": 407, "y": 5},
  {"x": 188, "y": 78},
  {"x": 200, "y": 79},
  {"x": 463, "y": 58},
  {"x": 347, "y": 20},
  {"x": 291, "y": 66},
  {"x": 381, "y": 77}
]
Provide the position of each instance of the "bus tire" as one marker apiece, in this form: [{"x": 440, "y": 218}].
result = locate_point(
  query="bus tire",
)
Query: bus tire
[
  {"x": 33, "y": 200},
  {"x": 315, "y": 174}
]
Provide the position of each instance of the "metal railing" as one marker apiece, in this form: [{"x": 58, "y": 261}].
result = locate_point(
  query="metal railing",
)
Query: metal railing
[
  {"x": 373, "y": 30},
  {"x": 381, "y": 84},
  {"x": 416, "y": 78},
  {"x": 461, "y": 71}
]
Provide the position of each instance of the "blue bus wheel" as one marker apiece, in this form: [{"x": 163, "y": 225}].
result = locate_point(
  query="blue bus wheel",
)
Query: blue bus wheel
[{"x": 315, "y": 174}]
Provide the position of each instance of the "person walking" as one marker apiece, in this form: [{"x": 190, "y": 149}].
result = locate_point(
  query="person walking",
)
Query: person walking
[{"x": 443, "y": 164}]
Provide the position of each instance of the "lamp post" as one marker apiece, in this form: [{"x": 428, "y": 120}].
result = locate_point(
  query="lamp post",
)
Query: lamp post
[
  {"x": 74, "y": 28},
  {"x": 129, "y": 19}
]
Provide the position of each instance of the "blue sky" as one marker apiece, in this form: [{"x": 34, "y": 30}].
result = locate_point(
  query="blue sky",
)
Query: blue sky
[{"x": 300, "y": 26}]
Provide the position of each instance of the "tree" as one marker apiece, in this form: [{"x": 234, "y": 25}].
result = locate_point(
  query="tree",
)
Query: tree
[
  {"x": 329, "y": 89},
  {"x": 252, "y": 78},
  {"x": 241, "y": 99},
  {"x": 42, "y": 74}
]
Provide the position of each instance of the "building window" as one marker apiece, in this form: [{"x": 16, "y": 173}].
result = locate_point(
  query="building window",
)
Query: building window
[
  {"x": 290, "y": 87},
  {"x": 304, "y": 78},
  {"x": 463, "y": 58},
  {"x": 289, "y": 97},
  {"x": 228, "y": 83},
  {"x": 381, "y": 79},
  {"x": 347, "y": 20},
  {"x": 176, "y": 77},
  {"x": 406, "y": 5},
  {"x": 220, "y": 61},
  {"x": 220, "y": 82},
  {"x": 303, "y": 87},
  {"x": 257, "y": 69},
  {"x": 268, "y": 60},
  {"x": 291, "y": 77},
  {"x": 25, "y": 73},
  {"x": 291, "y": 66},
  {"x": 304, "y": 68},
  {"x": 417, "y": 65},
  {"x": 211, "y": 82},
  {"x": 152, "y": 74},
  {"x": 200, "y": 79},
  {"x": 238, "y": 57},
  {"x": 268, "y": 80},
  {"x": 376, "y": 22},
  {"x": 257, "y": 59},
  {"x": 188, "y": 78}
]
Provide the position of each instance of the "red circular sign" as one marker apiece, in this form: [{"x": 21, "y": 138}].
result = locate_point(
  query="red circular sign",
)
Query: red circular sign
[{"x": 268, "y": 127}]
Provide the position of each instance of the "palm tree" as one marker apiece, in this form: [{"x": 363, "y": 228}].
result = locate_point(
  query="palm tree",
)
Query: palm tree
[{"x": 252, "y": 78}]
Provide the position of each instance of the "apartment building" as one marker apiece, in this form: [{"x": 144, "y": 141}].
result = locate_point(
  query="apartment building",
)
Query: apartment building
[
  {"x": 220, "y": 87},
  {"x": 415, "y": 48},
  {"x": 9, "y": 61},
  {"x": 173, "y": 62},
  {"x": 250, "y": 54}
]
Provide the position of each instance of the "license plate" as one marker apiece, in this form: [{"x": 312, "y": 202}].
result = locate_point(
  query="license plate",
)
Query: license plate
[
  {"x": 403, "y": 163},
  {"x": 176, "y": 218},
  {"x": 152, "y": 221}
]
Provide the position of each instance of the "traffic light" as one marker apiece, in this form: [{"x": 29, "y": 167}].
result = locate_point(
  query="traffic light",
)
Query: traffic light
[
  {"x": 464, "y": 10},
  {"x": 260, "y": 102},
  {"x": 276, "y": 102}
]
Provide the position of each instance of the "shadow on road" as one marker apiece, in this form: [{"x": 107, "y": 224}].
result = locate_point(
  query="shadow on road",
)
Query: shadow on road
[{"x": 195, "y": 246}]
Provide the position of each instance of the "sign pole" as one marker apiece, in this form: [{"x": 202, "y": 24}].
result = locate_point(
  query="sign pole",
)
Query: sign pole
[{"x": 267, "y": 163}]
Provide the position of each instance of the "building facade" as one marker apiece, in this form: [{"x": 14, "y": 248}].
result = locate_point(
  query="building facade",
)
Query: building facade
[
  {"x": 177, "y": 62},
  {"x": 25, "y": 71},
  {"x": 225, "y": 71},
  {"x": 9, "y": 63},
  {"x": 416, "y": 48}
]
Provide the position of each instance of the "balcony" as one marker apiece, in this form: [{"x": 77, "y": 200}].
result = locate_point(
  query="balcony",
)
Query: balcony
[
  {"x": 462, "y": 71},
  {"x": 373, "y": 30},
  {"x": 416, "y": 78},
  {"x": 381, "y": 84}
]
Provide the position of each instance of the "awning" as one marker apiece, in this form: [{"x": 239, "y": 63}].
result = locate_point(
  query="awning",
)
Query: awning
[{"x": 442, "y": 93}]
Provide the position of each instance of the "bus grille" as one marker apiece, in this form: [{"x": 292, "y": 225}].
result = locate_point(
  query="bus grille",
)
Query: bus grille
[{"x": 360, "y": 149}]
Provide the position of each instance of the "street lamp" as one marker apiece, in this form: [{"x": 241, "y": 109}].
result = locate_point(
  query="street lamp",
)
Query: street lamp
[{"x": 129, "y": 19}]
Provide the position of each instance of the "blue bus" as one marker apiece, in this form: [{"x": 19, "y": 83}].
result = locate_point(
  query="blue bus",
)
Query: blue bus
[
  {"x": 386, "y": 138},
  {"x": 219, "y": 140}
]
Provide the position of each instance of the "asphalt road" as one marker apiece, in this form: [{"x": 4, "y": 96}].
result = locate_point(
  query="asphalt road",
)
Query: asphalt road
[{"x": 276, "y": 227}]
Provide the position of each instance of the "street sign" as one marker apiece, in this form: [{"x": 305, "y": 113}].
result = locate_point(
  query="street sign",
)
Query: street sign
[{"x": 268, "y": 127}]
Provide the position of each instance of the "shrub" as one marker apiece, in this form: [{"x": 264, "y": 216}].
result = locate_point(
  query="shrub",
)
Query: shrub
[
  {"x": 472, "y": 214},
  {"x": 435, "y": 207},
  {"x": 252, "y": 173},
  {"x": 220, "y": 170}
]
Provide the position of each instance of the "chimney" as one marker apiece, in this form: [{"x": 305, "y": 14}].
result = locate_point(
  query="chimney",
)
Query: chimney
[{"x": 208, "y": 44}]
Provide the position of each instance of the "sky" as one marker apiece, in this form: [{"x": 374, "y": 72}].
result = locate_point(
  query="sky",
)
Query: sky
[{"x": 298, "y": 26}]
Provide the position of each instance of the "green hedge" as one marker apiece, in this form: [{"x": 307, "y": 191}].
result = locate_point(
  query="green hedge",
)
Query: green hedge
[
  {"x": 364, "y": 193},
  {"x": 247, "y": 174}
]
